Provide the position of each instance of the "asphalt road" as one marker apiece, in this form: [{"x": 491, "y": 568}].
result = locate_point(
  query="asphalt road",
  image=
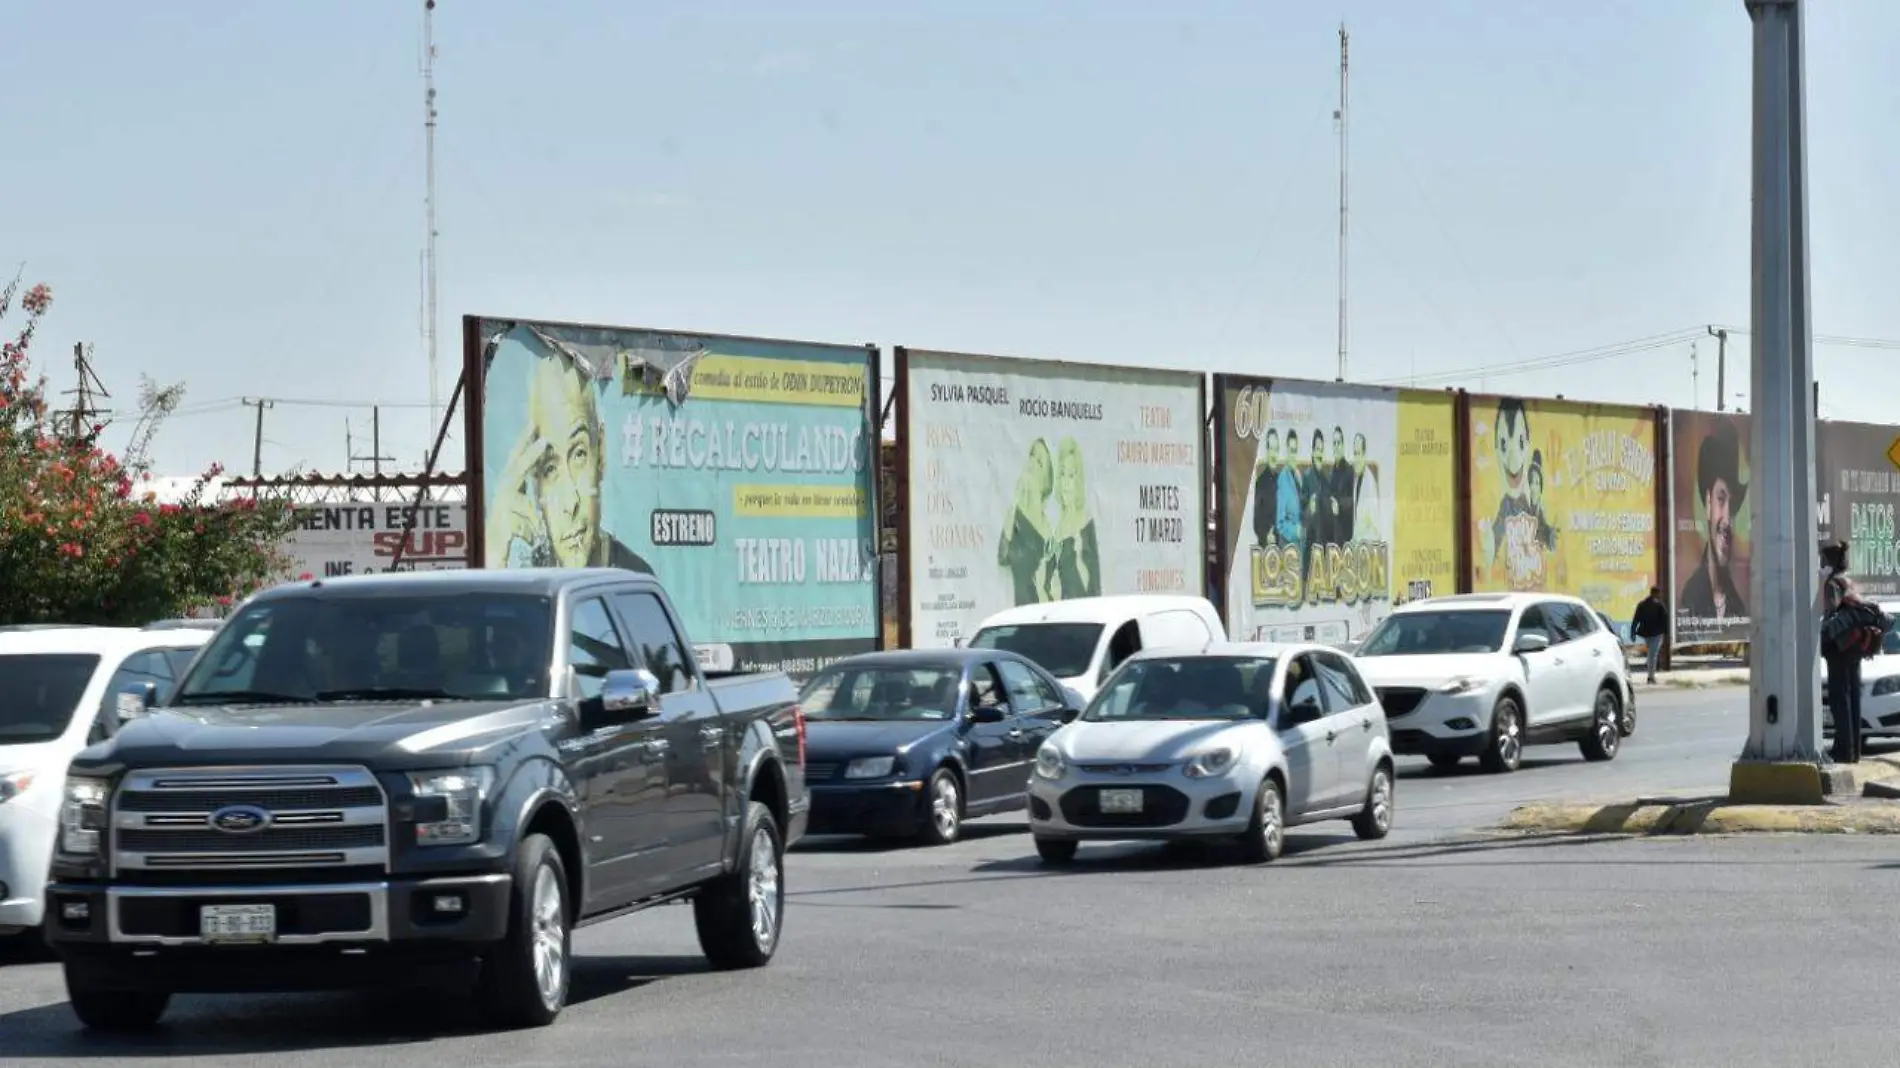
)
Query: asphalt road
[{"x": 1434, "y": 947}]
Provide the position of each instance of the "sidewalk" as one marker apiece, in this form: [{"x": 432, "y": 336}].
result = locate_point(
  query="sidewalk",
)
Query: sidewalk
[{"x": 1690, "y": 673}]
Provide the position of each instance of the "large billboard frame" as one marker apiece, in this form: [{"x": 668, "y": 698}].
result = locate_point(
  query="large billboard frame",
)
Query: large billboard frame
[
  {"x": 474, "y": 390},
  {"x": 900, "y": 359}
]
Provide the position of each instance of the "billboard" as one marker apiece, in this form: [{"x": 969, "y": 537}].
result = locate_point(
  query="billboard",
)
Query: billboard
[
  {"x": 1563, "y": 500},
  {"x": 1859, "y": 489},
  {"x": 1033, "y": 481},
  {"x": 361, "y": 538},
  {"x": 1712, "y": 535},
  {"x": 1341, "y": 503},
  {"x": 739, "y": 471}
]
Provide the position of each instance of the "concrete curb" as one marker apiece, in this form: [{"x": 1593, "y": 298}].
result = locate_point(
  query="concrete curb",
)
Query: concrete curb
[{"x": 1689, "y": 813}]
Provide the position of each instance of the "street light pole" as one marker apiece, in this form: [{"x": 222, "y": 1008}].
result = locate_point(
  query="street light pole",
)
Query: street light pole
[{"x": 1782, "y": 759}]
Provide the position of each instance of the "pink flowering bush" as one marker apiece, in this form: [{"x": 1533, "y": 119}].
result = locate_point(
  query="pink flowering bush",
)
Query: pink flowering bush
[{"x": 79, "y": 543}]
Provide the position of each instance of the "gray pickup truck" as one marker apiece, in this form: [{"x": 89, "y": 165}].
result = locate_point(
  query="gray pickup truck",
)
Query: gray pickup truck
[{"x": 424, "y": 778}]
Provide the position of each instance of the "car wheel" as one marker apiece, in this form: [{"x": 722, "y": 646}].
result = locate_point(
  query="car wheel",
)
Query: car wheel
[
  {"x": 1056, "y": 850},
  {"x": 1374, "y": 821},
  {"x": 943, "y": 809},
  {"x": 1606, "y": 728},
  {"x": 1629, "y": 713},
  {"x": 741, "y": 916},
  {"x": 105, "y": 1009},
  {"x": 1266, "y": 832},
  {"x": 524, "y": 981},
  {"x": 1506, "y": 749},
  {"x": 1444, "y": 761}
]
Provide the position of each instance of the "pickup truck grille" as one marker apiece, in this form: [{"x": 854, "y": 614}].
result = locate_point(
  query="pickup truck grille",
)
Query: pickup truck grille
[{"x": 223, "y": 819}]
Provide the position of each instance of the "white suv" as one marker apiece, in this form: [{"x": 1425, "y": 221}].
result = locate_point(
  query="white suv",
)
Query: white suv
[
  {"x": 59, "y": 690},
  {"x": 1485, "y": 674}
]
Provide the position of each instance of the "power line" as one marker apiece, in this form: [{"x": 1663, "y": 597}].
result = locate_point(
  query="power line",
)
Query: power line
[{"x": 1616, "y": 350}]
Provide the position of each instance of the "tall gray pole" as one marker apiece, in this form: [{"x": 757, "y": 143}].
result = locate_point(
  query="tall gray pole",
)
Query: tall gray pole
[{"x": 1783, "y": 690}]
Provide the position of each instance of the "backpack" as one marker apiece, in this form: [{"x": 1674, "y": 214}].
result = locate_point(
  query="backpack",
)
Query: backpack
[{"x": 1855, "y": 628}]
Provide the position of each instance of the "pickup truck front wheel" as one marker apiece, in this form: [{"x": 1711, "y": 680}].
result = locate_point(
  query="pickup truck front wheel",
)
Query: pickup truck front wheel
[
  {"x": 524, "y": 980},
  {"x": 102, "y": 1009},
  {"x": 740, "y": 916}
]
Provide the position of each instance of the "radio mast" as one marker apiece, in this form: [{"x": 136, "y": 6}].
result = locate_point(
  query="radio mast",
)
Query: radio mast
[
  {"x": 1339, "y": 125},
  {"x": 428, "y": 253}
]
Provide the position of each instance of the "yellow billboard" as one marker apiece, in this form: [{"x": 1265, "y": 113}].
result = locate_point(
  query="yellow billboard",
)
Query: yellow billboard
[
  {"x": 1425, "y": 492},
  {"x": 1563, "y": 500}
]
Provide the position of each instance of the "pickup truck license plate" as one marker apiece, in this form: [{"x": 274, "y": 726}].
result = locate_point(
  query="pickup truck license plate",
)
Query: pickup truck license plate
[
  {"x": 1121, "y": 802},
  {"x": 237, "y": 923}
]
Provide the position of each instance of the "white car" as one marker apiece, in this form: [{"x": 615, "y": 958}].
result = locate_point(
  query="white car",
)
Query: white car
[
  {"x": 1224, "y": 740},
  {"x": 1082, "y": 640},
  {"x": 1879, "y": 686},
  {"x": 1485, "y": 674},
  {"x": 59, "y": 690}
]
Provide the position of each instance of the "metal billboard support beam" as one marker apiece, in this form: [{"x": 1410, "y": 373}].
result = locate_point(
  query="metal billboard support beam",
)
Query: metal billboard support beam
[{"x": 1782, "y": 760}]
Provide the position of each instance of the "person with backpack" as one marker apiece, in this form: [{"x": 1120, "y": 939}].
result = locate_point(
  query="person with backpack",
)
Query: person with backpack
[
  {"x": 1840, "y": 647},
  {"x": 1650, "y": 625}
]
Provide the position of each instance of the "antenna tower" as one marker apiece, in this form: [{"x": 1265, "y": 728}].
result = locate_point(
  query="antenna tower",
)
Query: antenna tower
[
  {"x": 428, "y": 254},
  {"x": 1339, "y": 125}
]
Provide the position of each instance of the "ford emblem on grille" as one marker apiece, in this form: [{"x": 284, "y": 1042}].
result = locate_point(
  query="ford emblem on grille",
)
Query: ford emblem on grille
[{"x": 239, "y": 819}]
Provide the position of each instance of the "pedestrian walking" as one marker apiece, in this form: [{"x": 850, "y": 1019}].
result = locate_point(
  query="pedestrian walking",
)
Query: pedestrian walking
[
  {"x": 1650, "y": 625},
  {"x": 1843, "y": 661}
]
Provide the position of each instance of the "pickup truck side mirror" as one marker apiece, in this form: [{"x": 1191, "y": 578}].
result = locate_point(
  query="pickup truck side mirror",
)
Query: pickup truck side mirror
[
  {"x": 1532, "y": 642},
  {"x": 625, "y": 696},
  {"x": 1070, "y": 715},
  {"x": 136, "y": 700}
]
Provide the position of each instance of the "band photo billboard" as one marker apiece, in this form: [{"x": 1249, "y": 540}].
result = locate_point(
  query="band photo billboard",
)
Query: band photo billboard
[
  {"x": 739, "y": 471},
  {"x": 1341, "y": 500},
  {"x": 1563, "y": 500},
  {"x": 1033, "y": 481},
  {"x": 1708, "y": 591},
  {"x": 1859, "y": 490}
]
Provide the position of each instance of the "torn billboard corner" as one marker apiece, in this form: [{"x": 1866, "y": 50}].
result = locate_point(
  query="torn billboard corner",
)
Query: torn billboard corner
[{"x": 657, "y": 361}]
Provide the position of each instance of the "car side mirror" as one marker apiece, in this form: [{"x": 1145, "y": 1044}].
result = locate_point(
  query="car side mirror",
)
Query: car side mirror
[
  {"x": 988, "y": 714},
  {"x": 1531, "y": 643},
  {"x": 136, "y": 700},
  {"x": 625, "y": 696},
  {"x": 1303, "y": 712},
  {"x": 1070, "y": 715}
]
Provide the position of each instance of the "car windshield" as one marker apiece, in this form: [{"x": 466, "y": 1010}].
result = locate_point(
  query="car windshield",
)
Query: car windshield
[
  {"x": 39, "y": 693},
  {"x": 1196, "y": 687},
  {"x": 881, "y": 692},
  {"x": 1437, "y": 634},
  {"x": 474, "y": 646},
  {"x": 1890, "y": 641},
  {"x": 1064, "y": 650}
]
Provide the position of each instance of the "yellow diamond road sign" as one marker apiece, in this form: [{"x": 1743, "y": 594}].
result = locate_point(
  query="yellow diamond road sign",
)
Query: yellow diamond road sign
[{"x": 1893, "y": 453}]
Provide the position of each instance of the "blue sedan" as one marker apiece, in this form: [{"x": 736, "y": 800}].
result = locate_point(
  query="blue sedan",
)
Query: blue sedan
[{"x": 912, "y": 743}]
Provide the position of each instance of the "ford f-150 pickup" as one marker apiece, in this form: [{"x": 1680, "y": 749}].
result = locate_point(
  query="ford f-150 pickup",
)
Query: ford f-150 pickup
[{"x": 424, "y": 778}]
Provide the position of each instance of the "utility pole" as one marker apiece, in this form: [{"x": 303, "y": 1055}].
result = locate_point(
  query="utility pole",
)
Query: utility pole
[
  {"x": 1339, "y": 121},
  {"x": 428, "y": 255},
  {"x": 1782, "y": 760},
  {"x": 257, "y": 439},
  {"x": 375, "y": 458},
  {"x": 75, "y": 424},
  {"x": 1721, "y": 368}
]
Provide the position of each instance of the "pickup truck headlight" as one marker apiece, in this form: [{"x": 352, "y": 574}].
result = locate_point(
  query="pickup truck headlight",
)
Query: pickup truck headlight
[
  {"x": 870, "y": 767},
  {"x": 450, "y": 808},
  {"x": 1209, "y": 764},
  {"x": 82, "y": 816},
  {"x": 1050, "y": 764}
]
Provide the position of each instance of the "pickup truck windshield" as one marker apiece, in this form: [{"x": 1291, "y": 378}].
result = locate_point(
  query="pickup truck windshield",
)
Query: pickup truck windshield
[
  {"x": 39, "y": 692},
  {"x": 881, "y": 693},
  {"x": 473, "y": 646},
  {"x": 1437, "y": 634},
  {"x": 1064, "y": 650}
]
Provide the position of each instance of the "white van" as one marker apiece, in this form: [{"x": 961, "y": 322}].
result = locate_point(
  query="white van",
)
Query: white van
[
  {"x": 1082, "y": 639},
  {"x": 59, "y": 689}
]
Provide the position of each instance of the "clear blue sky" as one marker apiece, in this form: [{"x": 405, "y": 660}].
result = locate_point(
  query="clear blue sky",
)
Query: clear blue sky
[{"x": 233, "y": 198}]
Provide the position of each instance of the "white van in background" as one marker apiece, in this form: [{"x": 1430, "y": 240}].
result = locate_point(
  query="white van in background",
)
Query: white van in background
[{"x": 1083, "y": 639}]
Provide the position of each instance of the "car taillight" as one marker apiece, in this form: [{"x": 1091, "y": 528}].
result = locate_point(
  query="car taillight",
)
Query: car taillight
[{"x": 798, "y": 718}]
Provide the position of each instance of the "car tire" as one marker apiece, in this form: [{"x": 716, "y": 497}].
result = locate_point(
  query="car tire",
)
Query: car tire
[
  {"x": 943, "y": 809},
  {"x": 1057, "y": 851},
  {"x": 1445, "y": 761},
  {"x": 1605, "y": 739},
  {"x": 1629, "y": 711},
  {"x": 1504, "y": 746},
  {"x": 524, "y": 981},
  {"x": 110, "y": 1010},
  {"x": 1266, "y": 832},
  {"x": 1374, "y": 821},
  {"x": 740, "y": 917}
]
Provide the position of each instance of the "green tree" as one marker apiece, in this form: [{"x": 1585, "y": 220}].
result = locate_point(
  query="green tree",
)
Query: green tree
[{"x": 79, "y": 541}]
